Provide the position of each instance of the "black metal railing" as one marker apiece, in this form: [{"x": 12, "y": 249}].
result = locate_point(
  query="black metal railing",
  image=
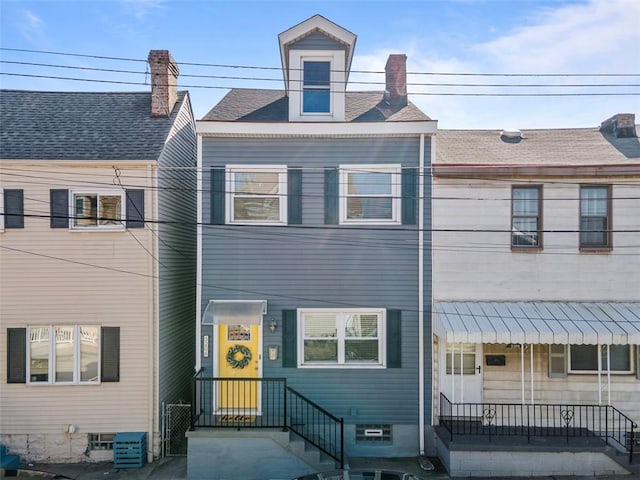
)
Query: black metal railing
[
  {"x": 265, "y": 403},
  {"x": 539, "y": 420},
  {"x": 316, "y": 425}
]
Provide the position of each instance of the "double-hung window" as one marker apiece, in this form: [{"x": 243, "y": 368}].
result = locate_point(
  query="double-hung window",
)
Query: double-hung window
[
  {"x": 97, "y": 210},
  {"x": 316, "y": 86},
  {"x": 64, "y": 354},
  {"x": 526, "y": 220},
  {"x": 340, "y": 338},
  {"x": 257, "y": 194},
  {"x": 595, "y": 216},
  {"x": 584, "y": 358},
  {"x": 370, "y": 194}
]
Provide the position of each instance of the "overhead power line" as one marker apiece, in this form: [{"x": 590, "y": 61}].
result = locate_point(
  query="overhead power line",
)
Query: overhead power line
[{"x": 254, "y": 67}]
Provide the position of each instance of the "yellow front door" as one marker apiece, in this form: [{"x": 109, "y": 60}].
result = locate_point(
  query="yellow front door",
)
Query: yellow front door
[{"x": 238, "y": 358}]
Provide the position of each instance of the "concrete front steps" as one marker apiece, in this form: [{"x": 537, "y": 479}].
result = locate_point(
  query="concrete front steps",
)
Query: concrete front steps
[
  {"x": 8, "y": 461},
  {"x": 217, "y": 454}
]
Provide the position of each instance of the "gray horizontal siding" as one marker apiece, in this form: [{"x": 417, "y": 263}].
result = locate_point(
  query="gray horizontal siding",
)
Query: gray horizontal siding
[
  {"x": 177, "y": 260},
  {"x": 317, "y": 41},
  {"x": 322, "y": 266}
]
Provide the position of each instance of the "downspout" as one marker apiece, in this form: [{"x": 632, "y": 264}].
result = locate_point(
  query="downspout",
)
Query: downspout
[
  {"x": 421, "y": 366},
  {"x": 199, "y": 255}
]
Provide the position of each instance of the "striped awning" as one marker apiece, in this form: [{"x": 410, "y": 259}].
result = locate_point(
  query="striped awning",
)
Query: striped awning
[{"x": 576, "y": 323}]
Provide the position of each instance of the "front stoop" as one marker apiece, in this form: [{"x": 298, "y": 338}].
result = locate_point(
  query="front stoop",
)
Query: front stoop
[
  {"x": 217, "y": 454},
  {"x": 469, "y": 457},
  {"x": 622, "y": 459}
]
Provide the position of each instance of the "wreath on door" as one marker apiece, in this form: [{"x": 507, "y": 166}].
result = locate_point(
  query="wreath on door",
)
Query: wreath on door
[{"x": 240, "y": 361}]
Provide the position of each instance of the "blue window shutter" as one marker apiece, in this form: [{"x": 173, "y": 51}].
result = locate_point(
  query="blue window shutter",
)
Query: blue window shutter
[
  {"x": 294, "y": 196},
  {"x": 394, "y": 339},
  {"x": 16, "y": 355},
  {"x": 110, "y": 354},
  {"x": 59, "y": 208},
  {"x": 218, "y": 195},
  {"x": 409, "y": 195},
  {"x": 135, "y": 208},
  {"x": 331, "y": 190},
  {"x": 290, "y": 338},
  {"x": 13, "y": 208}
]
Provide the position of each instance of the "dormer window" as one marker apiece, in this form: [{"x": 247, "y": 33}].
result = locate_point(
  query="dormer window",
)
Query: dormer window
[{"x": 316, "y": 89}]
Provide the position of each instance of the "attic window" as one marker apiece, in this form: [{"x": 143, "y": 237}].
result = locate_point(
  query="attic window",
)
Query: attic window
[{"x": 316, "y": 89}]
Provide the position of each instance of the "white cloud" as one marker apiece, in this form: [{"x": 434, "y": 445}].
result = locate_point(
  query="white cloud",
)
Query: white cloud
[
  {"x": 591, "y": 37},
  {"x": 32, "y": 28},
  {"x": 142, "y": 8},
  {"x": 601, "y": 35}
]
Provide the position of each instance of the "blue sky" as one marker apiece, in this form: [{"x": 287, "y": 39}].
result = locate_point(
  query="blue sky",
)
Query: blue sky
[{"x": 459, "y": 36}]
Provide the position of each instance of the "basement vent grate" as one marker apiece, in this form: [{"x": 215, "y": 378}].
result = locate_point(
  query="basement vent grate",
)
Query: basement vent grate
[
  {"x": 373, "y": 433},
  {"x": 101, "y": 441}
]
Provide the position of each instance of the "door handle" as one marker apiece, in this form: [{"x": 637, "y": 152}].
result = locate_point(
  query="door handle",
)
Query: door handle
[{"x": 478, "y": 368}]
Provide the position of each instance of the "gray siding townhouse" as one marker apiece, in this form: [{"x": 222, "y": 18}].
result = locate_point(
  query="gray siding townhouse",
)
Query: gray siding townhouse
[
  {"x": 98, "y": 262},
  {"x": 313, "y": 267}
]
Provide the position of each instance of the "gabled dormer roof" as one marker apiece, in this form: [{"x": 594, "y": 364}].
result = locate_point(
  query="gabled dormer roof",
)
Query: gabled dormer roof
[{"x": 316, "y": 25}]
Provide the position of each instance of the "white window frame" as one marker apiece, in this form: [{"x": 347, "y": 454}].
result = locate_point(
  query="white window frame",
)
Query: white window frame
[
  {"x": 396, "y": 192},
  {"x": 337, "y": 85},
  {"x": 341, "y": 337},
  {"x": 1, "y": 210},
  {"x": 281, "y": 170},
  {"x": 604, "y": 365},
  {"x": 98, "y": 194},
  {"x": 52, "y": 356}
]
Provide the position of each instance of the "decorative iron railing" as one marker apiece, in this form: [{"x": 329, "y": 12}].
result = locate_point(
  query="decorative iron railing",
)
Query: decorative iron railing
[
  {"x": 265, "y": 403},
  {"x": 539, "y": 420}
]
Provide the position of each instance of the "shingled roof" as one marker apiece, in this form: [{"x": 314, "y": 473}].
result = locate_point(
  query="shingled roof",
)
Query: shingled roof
[
  {"x": 255, "y": 105},
  {"x": 544, "y": 147},
  {"x": 81, "y": 125}
]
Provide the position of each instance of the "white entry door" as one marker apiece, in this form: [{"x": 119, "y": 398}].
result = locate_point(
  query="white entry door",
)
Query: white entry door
[{"x": 461, "y": 372}]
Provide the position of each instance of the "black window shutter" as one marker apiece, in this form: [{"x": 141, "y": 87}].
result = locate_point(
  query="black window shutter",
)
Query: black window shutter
[
  {"x": 409, "y": 195},
  {"x": 218, "y": 196},
  {"x": 331, "y": 191},
  {"x": 394, "y": 339},
  {"x": 290, "y": 338},
  {"x": 294, "y": 196},
  {"x": 16, "y": 355},
  {"x": 13, "y": 208},
  {"x": 135, "y": 208},
  {"x": 110, "y": 354},
  {"x": 59, "y": 208}
]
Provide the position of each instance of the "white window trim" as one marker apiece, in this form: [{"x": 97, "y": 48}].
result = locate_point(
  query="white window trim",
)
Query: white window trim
[
  {"x": 1, "y": 210},
  {"x": 281, "y": 170},
  {"x": 632, "y": 361},
  {"x": 396, "y": 193},
  {"x": 98, "y": 228},
  {"x": 382, "y": 339},
  {"x": 52, "y": 359},
  {"x": 337, "y": 85}
]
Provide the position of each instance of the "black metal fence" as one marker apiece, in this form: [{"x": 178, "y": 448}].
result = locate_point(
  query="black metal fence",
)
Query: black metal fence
[
  {"x": 538, "y": 420},
  {"x": 265, "y": 403}
]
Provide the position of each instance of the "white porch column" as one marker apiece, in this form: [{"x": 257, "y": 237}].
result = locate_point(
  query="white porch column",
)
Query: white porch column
[
  {"x": 599, "y": 350},
  {"x": 522, "y": 371},
  {"x": 531, "y": 373}
]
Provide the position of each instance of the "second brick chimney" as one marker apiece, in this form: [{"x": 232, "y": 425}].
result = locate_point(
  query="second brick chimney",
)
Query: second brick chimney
[
  {"x": 396, "y": 80},
  {"x": 164, "y": 82},
  {"x": 622, "y": 125}
]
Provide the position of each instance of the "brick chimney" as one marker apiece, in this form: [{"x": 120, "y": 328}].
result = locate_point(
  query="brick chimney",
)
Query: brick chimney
[
  {"x": 396, "y": 80},
  {"x": 622, "y": 125},
  {"x": 164, "y": 82}
]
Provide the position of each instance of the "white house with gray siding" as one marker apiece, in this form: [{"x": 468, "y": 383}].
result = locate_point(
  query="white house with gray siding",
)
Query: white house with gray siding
[
  {"x": 536, "y": 294},
  {"x": 311, "y": 244},
  {"x": 98, "y": 261}
]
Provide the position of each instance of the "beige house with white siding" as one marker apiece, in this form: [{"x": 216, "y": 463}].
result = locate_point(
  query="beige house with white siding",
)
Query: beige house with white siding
[
  {"x": 97, "y": 262},
  {"x": 536, "y": 277}
]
